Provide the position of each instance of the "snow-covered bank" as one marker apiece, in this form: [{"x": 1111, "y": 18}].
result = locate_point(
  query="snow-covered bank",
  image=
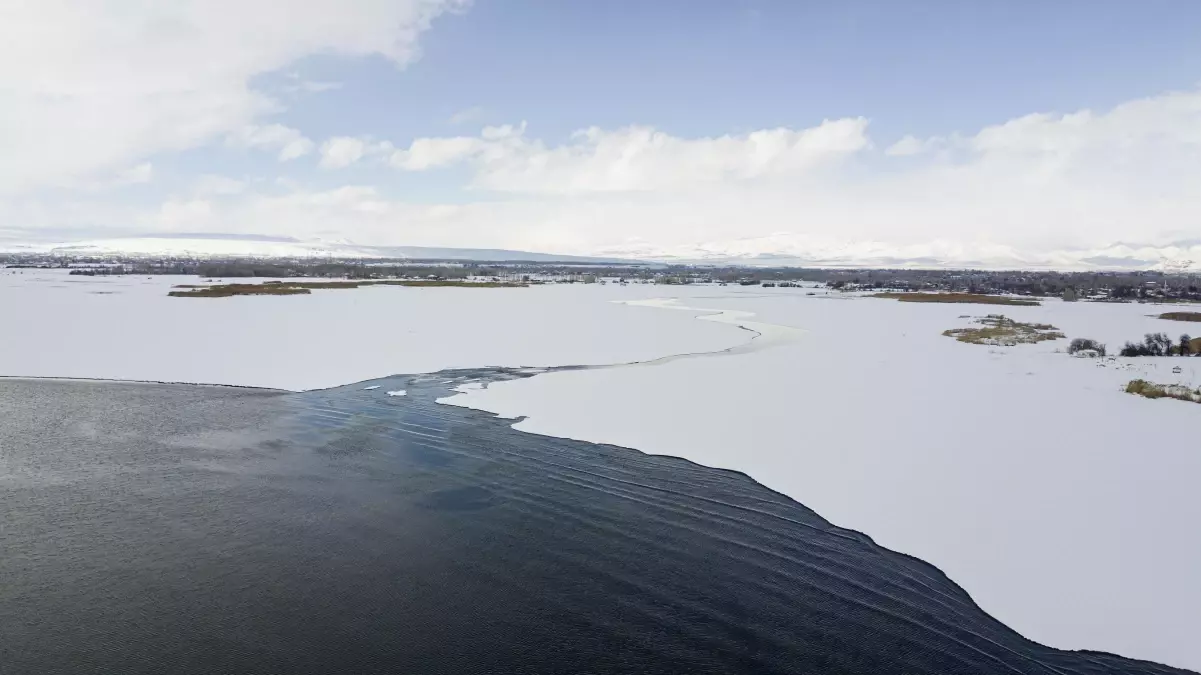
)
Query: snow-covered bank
[
  {"x": 126, "y": 328},
  {"x": 1063, "y": 505}
]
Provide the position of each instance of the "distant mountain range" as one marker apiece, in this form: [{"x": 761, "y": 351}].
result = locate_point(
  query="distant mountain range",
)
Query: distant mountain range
[
  {"x": 222, "y": 246},
  {"x": 794, "y": 250},
  {"x": 777, "y": 250}
]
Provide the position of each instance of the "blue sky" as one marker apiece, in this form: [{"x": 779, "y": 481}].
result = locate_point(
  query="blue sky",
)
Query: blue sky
[
  {"x": 172, "y": 99},
  {"x": 708, "y": 67}
]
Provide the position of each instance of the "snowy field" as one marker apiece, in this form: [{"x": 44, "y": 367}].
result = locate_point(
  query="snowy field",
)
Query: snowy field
[{"x": 1066, "y": 507}]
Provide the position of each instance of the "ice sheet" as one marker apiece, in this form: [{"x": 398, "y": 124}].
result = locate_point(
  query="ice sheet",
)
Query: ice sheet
[{"x": 128, "y": 328}]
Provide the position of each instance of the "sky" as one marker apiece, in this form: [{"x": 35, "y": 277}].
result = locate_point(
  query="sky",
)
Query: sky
[{"x": 617, "y": 127}]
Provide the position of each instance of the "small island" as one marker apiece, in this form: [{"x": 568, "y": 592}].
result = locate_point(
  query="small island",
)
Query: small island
[
  {"x": 1001, "y": 331},
  {"x": 959, "y": 298},
  {"x": 306, "y": 287},
  {"x": 1181, "y": 316}
]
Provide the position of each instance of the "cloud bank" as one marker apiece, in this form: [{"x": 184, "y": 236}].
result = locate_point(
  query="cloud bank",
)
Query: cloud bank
[
  {"x": 87, "y": 86},
  {"x": 93, "y": 95}
]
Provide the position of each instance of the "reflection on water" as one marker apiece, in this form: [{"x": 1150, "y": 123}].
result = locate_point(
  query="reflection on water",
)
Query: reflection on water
[{"x": 164, "y": 528}]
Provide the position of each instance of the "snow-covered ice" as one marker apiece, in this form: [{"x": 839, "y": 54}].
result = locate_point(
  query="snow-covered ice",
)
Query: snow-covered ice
[
  {"x": 398, "y": 392},
  {"x": 128, "y": 328},
  {"x": 1065, "y": 506},
  {"x": 372, "y": 387}
]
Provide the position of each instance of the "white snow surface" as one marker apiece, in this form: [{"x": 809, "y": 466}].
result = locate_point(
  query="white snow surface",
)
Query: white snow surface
[
  {"x": 1066, "y": 507},
  {"x": 398, "y": 392},
  {"x": 128, "y": 328}
]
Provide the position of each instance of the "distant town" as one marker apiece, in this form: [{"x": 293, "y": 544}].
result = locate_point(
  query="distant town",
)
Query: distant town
[{"x": 1107, "y": 286}]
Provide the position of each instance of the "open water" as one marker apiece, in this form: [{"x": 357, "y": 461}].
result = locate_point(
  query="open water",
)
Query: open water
[{"x": 181, "y": 529}]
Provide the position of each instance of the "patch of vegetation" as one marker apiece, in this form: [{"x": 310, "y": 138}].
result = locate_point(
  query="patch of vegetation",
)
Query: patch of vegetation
[
  {"x": 228, "y": 290},
  {"x": 1081, "y": 345},
  {"x": 305, "y": 287},
  {"x": 1153, "y": 390},
  {"x": 1159, "y": 344},
  {"x": 958, "y": 298},
  {"x": 314, "y": 285},
  {"x": 1002, "y": 331},
  {"x": 413, "y": 283},
  {"x": 1181, "y": 316}
]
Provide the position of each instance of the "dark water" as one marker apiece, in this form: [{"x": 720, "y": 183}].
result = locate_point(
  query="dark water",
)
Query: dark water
[{"x": 177, "y": 529}]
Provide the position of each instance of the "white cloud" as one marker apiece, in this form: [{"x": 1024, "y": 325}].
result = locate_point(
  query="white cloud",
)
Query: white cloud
[
  {"x": 340, "y": 152},
  {"x": 213, "y": 184},
  {"x": 142, "y": 173},
  {"x": 298, "y": 85},
  {"x": 287, "y": 142},
  {"x": 139, "y": 174},
  {"x": 643, "y": 159},
  {"x": 634, "y": 158},
  {"x": 910, "y": 145},
  {"x": 87, "y": 86},
  {"x": 500, "y": 133},
  {"x": 432, "y": 153},
  {"x": 184, "y": 214},
  {"x": 316, "y": 87},
  {"x": 1039, "y": 183},
  {"x": 468, "y": 115}
]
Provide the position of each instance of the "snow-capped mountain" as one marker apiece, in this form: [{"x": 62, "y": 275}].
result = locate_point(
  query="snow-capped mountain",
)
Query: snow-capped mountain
[
  {"x": 789, "y": 249},
  {"x": 231, "y": 246},
  {"x": 780, "y": 249}
]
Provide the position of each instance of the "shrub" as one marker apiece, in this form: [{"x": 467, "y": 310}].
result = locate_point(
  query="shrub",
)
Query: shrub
[
  {"x": 1085, "y": 344},
  {"x": 1133, "y": 349},
  {"x": 1155, "y": 344}
]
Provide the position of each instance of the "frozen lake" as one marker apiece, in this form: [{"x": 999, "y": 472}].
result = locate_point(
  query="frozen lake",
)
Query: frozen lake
[
  {"x": 1064, "y": 506},
  {"x": 128, "y": 328}
]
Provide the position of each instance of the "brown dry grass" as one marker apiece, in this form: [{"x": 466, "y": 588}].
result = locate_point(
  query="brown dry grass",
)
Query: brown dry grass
[
  {"x": 304, "y": 287},
  {"x": 959, "y": 298},
  {"x": 229, "y": 290},
  {"x": 1181, "y": 316},
  {"x": 448, "y": 284},
  {"x": 1002, "y": 331},
  {"x": 1153, "y": 391}
]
